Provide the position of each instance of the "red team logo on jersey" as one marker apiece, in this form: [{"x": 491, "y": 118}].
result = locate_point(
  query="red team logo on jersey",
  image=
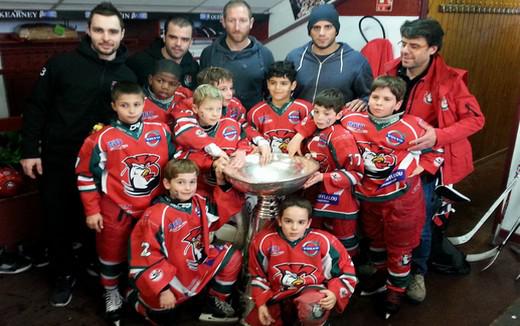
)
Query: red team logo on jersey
[
  {"x": 194, "y": 251},
  {"x": 293, "y": 275},
  {"x": 279, "y": 140},
  {"x": 143, "y": 174},
  {"x": 379, "y": 161}
]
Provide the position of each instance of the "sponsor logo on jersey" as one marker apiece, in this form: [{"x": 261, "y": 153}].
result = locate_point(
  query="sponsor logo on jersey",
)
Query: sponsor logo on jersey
[
  {"x": 264, "y": 119},
  {"x": 322, "y": 140},
  {"x": 142, "y": 174},
  {"x": 149, "y": 115},
  {"x": 230, "y": 133},
  {"x": 156, "y": 275},
  {"x": 343, "y": 292},
  {"x": 398, "y": 175},
  {"x": 176, "y": 225},
  {"x": 329, "y": 199},
  {"x": 152, "y": 138},
  {"x": 275, "y": 250},
  {"x": 293, "y": 275},
  {"x": 294, "y": 117},
  {"x": 438, "y": 161},
  {"x": 444, "y": 104},
  {"x": 428, "y": 98},
  {"x": 357, "y": 127},
  {"x": 395, "y": 137},
  {"x": 116, "y": 144},
  {"x": 233, "y": 114},
  {"x": 311, "y": 248}
]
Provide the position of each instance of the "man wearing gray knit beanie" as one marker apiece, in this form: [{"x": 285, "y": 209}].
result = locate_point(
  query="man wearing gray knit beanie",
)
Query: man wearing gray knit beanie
[{"x": 325, "y": 63}]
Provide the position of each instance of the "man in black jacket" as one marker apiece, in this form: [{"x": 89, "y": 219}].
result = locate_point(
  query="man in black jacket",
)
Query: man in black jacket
[
  {"x": 173, "y": 46},
  {"x": 71, "y": 95}
]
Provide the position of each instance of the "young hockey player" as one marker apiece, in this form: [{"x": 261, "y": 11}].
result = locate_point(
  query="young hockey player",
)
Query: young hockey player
[
  {"x": 226, "y": 133},
  {"x": 392, "y": 206},
  {"x": 335, "y": 207},
  {"x": 119, "y": 173},
  {"x": 299, "y": 274},
  {"x": 171, "y": 255},
  {"x": 222, "y": 79},
  {"x": 164, "y": 92},
  {"x": 275, "y": 119}
]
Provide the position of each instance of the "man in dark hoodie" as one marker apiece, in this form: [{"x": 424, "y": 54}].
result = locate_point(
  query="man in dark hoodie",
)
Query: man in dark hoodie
[
  {"x": 71, "y": 95},
  {"x": 240, "y": 53},
  {"x": 173, "y": 46},
  {"x": 325, "y": 63}
]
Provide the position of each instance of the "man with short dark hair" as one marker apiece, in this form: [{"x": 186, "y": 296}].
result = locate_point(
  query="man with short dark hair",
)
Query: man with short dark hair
[
  {"x": 325, "y": 63},
  {"x": 240, "y": 53},
  {"x": 438, "y": 94},
  {"x": 175, "y": 46},
  {"x": 72, "y": 94}
]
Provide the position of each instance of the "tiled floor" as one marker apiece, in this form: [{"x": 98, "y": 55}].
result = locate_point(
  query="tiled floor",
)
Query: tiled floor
[{"x": 475, "y": 299}]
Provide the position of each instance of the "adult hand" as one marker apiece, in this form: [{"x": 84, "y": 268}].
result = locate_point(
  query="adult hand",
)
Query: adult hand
[
  {"x": 95, "y": 222},
  {"x": 427, "y": 140},
  {"x": 29, "y": 166},
  {"x": 329, "y": 301},
  {"x": 265, "y": 316},
  {"x": 356, "y": 105},
  {"x": 167, "y": 299},
  {"x": 315, "y": 178},
  {"x": 294, "y": 145}
]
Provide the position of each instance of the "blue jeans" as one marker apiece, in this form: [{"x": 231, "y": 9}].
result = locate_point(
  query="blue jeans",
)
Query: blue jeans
[{"x": 421, "y": 253}]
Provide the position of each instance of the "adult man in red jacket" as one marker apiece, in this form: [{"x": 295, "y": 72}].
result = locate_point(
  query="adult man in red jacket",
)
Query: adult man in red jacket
[{"x": 438, "y": 94}]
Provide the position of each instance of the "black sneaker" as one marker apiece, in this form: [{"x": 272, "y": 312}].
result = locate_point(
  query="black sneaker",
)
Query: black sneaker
[
  {"x": 13, "y": 262},
  {"x": 62, "y": 292},
  {"x": 39, "y": 256},
  {"x": 218, "y": 311}
]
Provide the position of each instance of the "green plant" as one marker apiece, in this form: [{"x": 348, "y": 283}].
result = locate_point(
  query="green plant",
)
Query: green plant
[{"x": 10, "y": 147}]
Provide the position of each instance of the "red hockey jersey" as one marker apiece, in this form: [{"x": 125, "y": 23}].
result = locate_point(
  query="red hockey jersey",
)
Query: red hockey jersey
[
  {"x": 227, "y": 134},
  {"x": 124, "y": 163},
  {"x": 170, "y": 245},
  {"x": 383, "y": 145},
  {"x": 280, "y": 268},
  {"x": 153, "y": 113},
  {"x": 277, "y": 125},
  {"x": 336, "y": 151}
]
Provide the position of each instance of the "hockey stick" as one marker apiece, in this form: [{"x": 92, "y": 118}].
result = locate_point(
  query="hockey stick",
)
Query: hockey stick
[
  {"x": 503, "y": 243},
  {"x": 461, "y": 239}
]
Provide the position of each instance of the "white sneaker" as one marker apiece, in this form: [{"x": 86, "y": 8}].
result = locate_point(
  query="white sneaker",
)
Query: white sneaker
[{"x": 416, "y": 290}]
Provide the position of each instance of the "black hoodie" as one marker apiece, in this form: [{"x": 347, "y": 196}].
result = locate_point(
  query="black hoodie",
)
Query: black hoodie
[
  {"x": 143, "y": 63},
  {"x": 71, "y": 95}
]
